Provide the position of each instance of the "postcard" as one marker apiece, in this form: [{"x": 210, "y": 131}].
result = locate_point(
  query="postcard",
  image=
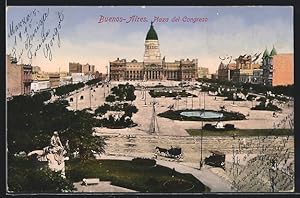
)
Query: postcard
[{"x": 150, "y": 99}]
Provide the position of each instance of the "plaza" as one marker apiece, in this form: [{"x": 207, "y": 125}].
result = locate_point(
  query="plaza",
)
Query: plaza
[{"x": 138, "y": 141}]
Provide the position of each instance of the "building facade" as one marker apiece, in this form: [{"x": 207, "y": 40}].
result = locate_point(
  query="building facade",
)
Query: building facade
[
  {"x": 26, "y": 78},
  {"x": 75, "y": 68},
  {"x": 88, "y": 69},
  {"x": 245, "y": 68},
  {"x": 18, "y": 77},
  {"x": 42, "y": 85},
  {"x": 54, "y": 79},
  {"x": 203, "y": 72},
  {"x": 13, "y": 77},
  {"x": 153, "y": 66},
  {"x": 225, "y": 72},
  {"x": 278, "y": 69},
  {"x": 79, "y": 68},
  {"x": 80, "y": 77}
]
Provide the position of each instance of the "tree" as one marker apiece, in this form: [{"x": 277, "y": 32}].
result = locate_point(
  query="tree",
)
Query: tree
[
  {"x": 102, "y": 110},
  {"x": 130, "y": 109},
  {"x": 110, "y": 98},
  {"x": 131, "y": 97}
]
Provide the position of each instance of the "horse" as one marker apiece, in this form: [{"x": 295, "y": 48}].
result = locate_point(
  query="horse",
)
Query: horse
[{"x": 161, "y": 150}]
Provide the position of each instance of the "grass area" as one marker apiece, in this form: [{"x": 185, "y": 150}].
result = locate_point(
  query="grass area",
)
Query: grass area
[
  {"x": 133, "y": 176},
  {"x": 242, "y": 132}
]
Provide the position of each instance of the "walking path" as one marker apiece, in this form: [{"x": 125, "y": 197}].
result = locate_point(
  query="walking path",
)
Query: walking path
[
  {"x": 103, "y": 186},
  {"x": 215, "y": 183}
]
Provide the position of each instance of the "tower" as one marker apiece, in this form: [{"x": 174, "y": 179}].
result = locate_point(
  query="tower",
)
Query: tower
[{"x": 152, "y": 52}]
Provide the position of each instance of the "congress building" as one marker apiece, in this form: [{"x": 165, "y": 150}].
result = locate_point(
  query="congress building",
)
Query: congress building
[{"x": 153, "y": 67}]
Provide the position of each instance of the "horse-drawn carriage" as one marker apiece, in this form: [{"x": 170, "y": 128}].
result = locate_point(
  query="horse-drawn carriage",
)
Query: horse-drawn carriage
[
  {"x": 173, "y": 152},
  {"x": 217, "y": 159}
]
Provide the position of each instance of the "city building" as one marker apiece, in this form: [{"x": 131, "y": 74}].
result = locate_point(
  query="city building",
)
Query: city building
[
  {"x": 225, "y": 71},
  {"x": 245, "y": 67},
  {"x": 18, "y": 77},
  {"x": 13, "y": 77},
  {"x": 79, "y": 68},
  {"x": 88, "y": 69},
  {"x": 37, "y": 86},
  {"x": 153, "y": 66},
  {"x": 36, "y": 69},
  {"x": 203, "y": 72},
  {"x": 38, "y": 74},
  {"x": 278, "y": 69},
  {"x": 65, "y": 80},
  {"x": 26, "y": 76},
  {"x": 257, "y": 76},
  {"x": 54, "y": 79},
  {"x": 98, "y": 75},
  {"x": 75, "y": 68},
  {"x": 80, "y": 77}
]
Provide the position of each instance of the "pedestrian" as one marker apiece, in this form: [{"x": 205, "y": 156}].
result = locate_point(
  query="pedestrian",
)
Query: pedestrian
[{"x": 173, "y": 172}]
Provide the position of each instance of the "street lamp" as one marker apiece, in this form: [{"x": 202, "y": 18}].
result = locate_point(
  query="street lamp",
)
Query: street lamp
[
  {"x": 91, "y": 98},
  {"x": 145, "y": 96},
  {"x": 76, "y": 93},
  {"x": 204, "y": 100},
  {"x": 199, "y": 99},
  {"x": 104, "y": 88},
  {"x": 201, "y": 160},
  {"x": 186, "y": 101}
]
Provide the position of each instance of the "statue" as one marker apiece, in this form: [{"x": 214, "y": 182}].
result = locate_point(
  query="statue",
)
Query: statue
[
  {"x": 56, "y": 148},
  {"x": 54, "y": 154}
]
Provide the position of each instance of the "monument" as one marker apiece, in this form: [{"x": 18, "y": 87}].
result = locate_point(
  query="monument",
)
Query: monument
[{"x": 53, "y": 154}]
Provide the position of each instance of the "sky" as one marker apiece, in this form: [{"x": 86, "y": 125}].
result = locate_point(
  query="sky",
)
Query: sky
[{"x": 51, "y": 37}]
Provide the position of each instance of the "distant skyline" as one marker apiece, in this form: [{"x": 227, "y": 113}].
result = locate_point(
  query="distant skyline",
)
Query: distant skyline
[{"x": 228, "y": 31}]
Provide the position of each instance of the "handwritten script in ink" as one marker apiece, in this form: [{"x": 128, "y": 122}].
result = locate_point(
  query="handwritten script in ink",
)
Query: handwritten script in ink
[{"x": 33, "y": 35}]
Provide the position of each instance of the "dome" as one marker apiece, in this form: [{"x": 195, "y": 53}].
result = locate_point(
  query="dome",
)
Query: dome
[{"x": 151, "y": 35}]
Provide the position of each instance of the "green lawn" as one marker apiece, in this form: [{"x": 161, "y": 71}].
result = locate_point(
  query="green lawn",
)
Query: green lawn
[
  {"x": 133, "y": 176},
  {"x": 242, "y": 132}
]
